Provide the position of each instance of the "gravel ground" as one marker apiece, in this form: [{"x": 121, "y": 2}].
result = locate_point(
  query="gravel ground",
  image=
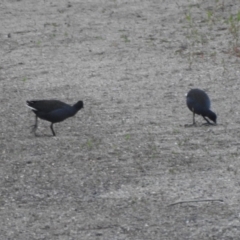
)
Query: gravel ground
[{"x": 126, "y": 166}]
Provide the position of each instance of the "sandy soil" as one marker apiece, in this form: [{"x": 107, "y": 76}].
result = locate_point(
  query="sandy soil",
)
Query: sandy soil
[{"x": 113, "y": 171}]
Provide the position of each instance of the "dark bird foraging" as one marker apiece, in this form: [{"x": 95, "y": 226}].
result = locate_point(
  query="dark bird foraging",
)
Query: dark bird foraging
[
  {"x": 53, "y": 111},
  {"x": 199, "y": 103}
]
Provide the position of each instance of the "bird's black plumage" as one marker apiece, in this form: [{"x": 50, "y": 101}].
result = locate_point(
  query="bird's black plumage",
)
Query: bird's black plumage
[
  {"x": 53, "y": 111},
  {"x": 199, "y": 103}
]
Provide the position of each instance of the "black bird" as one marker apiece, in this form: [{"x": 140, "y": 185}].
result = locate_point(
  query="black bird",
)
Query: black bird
[
  {"x": 198, "y": 102},
  {"x": 53, "y": 111}
]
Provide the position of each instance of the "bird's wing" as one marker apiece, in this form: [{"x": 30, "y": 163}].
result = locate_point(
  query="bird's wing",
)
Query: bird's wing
[{"x": 46, "y": 105}]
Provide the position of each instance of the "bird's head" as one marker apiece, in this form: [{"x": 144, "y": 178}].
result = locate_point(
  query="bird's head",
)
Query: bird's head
[
  {"x": 78, "y": 105},
  {"x": 212, "y": 116}
]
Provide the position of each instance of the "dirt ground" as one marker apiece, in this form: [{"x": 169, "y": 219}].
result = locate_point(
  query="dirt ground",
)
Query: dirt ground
[{"x": 126, "y": 166}]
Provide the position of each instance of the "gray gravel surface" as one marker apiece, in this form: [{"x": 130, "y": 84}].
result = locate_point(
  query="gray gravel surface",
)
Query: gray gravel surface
[{"x": 126, "y": 166}]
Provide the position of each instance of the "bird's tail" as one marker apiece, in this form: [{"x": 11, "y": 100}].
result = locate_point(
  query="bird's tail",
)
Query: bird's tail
[{"x": 30, "y": 105}]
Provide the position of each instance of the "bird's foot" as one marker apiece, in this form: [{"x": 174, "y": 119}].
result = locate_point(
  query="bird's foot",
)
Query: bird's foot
[{"x": 190, "y": 125}]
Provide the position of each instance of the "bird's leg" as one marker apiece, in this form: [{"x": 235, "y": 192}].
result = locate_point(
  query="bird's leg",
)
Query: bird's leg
[
  {"x": 35, "y": 125},
  {"x": 51, "y": 126},
  {"x": 194, "y": 123}
]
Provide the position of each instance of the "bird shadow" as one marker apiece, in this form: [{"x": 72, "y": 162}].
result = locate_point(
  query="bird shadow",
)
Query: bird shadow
[
  {"x": 200, "y": 125},
  {"x": 37, "y": 135}
]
